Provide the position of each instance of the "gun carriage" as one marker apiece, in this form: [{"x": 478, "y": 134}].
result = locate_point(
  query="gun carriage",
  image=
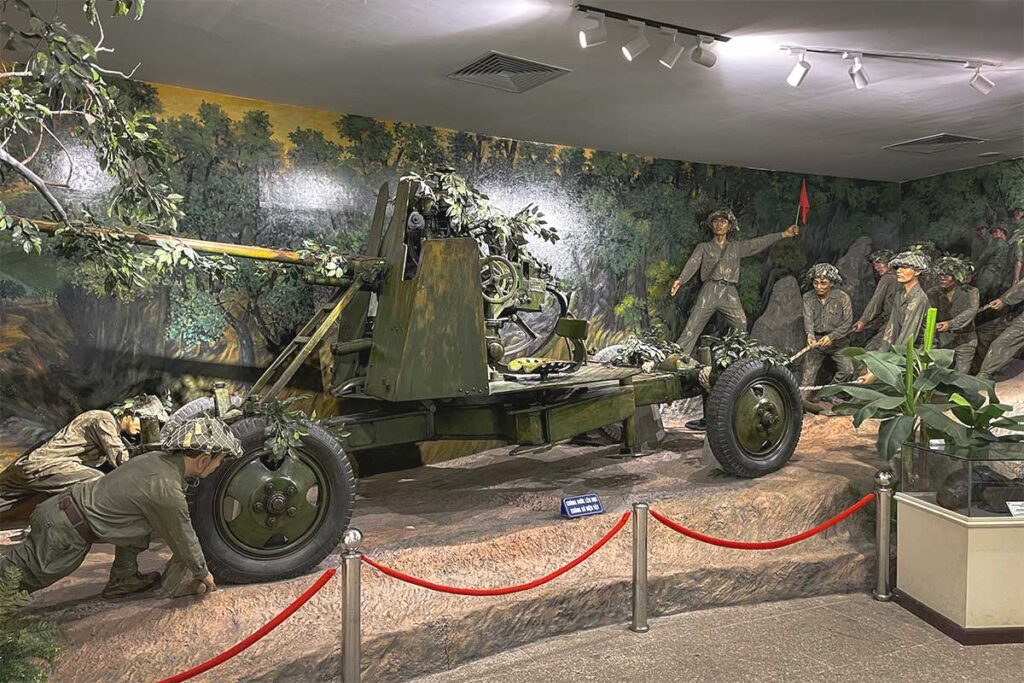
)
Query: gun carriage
[{"x": 429, "y": 336}]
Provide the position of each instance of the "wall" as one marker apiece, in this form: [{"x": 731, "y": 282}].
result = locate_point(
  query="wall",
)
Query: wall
[{"x": 273, "y": 174}]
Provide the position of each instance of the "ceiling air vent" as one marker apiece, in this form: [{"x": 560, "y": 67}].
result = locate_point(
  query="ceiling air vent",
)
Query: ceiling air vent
[
  {"x": 933, "y": 143},
  {"x": 508, "y": 73}
]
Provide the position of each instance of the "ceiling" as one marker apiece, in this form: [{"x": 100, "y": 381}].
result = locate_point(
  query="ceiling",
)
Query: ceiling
[{"x": 390, "y": 59}]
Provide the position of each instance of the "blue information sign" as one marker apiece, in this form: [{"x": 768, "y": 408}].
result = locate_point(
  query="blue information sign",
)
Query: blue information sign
[{"x": 581, "y": 506}]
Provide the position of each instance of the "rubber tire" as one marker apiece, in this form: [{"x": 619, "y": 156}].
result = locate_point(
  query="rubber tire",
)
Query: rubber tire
[
  {"x": 232, "y": 566},
  {"x": 719, "y": 413},
  {"x": 204, "y": 405}
]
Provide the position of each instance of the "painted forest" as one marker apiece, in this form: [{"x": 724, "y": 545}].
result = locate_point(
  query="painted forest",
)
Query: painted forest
[{"x": 249, "y": 175}]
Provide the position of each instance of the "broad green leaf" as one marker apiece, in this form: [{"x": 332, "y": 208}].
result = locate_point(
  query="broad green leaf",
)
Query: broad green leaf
[
  {"x": 935, "y": 417},
  {"x": 885, "y": 372},
  {"x": 892, "y": 434}
]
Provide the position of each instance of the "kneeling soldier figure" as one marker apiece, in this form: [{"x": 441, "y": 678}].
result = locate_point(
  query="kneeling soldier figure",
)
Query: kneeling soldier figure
[
  {"x": 143, "y": 497},
  {"x": 957, "y": 305},
  {"x": 828, "y": 318}
]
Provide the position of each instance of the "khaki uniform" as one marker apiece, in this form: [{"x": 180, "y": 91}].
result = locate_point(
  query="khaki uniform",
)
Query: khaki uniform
[
  {"x": 73, "y": 455},
  {"x": 959, "y": 312},
  {"x": 879, "y": 307},
  {"x": 719, "y": 268},
  {"x": 906, "y": 317},
  {"x": 145, "y": 497},
  {"x": 992, "y": 269},
  {"x": 833, "y": 318},
  {"x": 1010, "y": 341}
]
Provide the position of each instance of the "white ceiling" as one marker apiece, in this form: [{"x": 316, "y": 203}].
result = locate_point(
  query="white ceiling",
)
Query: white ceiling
[{"x": 390, "y": 59}]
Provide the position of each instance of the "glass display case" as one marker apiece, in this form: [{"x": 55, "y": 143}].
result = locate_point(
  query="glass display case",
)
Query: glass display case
[{"x": 974, "y": 482}]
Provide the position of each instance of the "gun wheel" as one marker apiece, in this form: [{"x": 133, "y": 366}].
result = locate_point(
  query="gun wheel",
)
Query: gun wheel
[
  {"x": 754, "y": 418},
  {"x": 259, "y": 521},
  {"x": 498, "y": 278}
]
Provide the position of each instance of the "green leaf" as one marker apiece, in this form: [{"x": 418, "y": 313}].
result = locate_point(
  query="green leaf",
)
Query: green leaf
[
  {"x": 885, "y": 372},
  {"x": 892, "y": 434},
  {"x": 934, "y": 415}
]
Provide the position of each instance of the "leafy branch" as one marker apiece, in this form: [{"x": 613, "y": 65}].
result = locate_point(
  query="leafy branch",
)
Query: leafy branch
[
  {"x": 25, "y": 642},
  {"x": 285, "y": 426}
]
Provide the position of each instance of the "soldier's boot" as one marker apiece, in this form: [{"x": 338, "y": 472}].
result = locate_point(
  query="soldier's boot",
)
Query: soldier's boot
[
  {"x": 122, "y": 586},
  {"x": 700, "y": 424}
]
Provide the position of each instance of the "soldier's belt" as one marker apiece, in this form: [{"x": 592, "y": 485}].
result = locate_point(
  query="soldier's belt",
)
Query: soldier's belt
[
  {"x": 724, "y": 282},
  {"x": 71, "y": 510}
]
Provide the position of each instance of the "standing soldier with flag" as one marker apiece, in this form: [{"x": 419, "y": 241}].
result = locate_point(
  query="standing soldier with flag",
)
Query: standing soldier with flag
[{"x": 957, "y": 306}]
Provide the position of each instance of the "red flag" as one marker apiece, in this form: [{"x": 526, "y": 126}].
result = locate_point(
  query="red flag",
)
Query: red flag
[{"x": 805, "y": 203}]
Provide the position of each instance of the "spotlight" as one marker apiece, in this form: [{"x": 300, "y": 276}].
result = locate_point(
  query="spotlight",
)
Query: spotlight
[
  {"x": 980, "y": 83},
  {"x": 799, "y": 72},
  {"x": 703, "y": 55},
  {"x": 857, "y": 73},
  {"x": 638, "y": 45},
  {"x": 596, "y": 34},
  {"x": 672, "y": 53}
]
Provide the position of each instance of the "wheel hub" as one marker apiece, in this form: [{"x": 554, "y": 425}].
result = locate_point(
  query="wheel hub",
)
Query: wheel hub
[{"x": 759, "y": 418}]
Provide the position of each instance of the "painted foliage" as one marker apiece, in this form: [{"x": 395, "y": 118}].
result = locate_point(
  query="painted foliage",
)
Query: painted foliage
[{"x": 268, "y": 174}]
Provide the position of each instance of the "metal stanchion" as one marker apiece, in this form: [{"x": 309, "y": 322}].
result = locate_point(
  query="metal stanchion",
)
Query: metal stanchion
[
  {"x": 883, "y": 520},
  {"x": 351, "y": 562},
  {"x": 639, "y": 623}
]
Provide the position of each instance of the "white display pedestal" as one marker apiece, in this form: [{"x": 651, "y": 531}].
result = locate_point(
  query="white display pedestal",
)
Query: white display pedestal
[{"x": 964, "y": 575}]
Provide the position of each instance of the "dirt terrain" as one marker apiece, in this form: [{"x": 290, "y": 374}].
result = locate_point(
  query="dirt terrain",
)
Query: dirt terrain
[{"x": 491, "y": 520}]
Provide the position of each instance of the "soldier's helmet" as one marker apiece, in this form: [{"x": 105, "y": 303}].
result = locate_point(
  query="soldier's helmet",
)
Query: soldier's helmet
[
  {"x": 960, "y": 268},
  {"x": 881, "y": 256},
  {"x": 143, "y": 406},
  {"x": 727, "y": 215},
  {"x": 910, "y": 259},
  {"x": 825, "y": 271},
  {"x": 203, "y": 435}
]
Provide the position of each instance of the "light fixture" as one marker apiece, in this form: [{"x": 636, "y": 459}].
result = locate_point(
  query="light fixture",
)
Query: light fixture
[
  {"x": 980, "y": 83},
  {"x": 672, "y": 53},
  {"x": 638, "y": 45},
  {"x": 703, "y": 55},
  {"x": 857, "y": 73},
  {"x": 596, "y": 34},
  {"x": 799, "y": 72}
]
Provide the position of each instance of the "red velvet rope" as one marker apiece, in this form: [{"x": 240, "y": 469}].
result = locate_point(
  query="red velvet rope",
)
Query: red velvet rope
[
  {"x": 764, "y": 545},
  {"x": 394, "y": 573},
  {"x": 264, "y": 630}
]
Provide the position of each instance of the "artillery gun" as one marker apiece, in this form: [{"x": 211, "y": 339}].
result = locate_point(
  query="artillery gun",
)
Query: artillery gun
[{"x": 421, "y": 341}]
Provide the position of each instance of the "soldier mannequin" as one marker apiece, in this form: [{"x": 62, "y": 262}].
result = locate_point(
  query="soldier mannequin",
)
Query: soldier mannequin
[
  {"x": 828, "y": 318},
  {"x": 143, "y": 497},
  {"x": 957, "y": 305},
  {"x": 75, "y": 453},
  {"x": 718, "y": 262},
  {"x": 995, "y": 265},
  {"x": 1017, "y": 216},
  {"x": 880, "y": 304},
  {"x": 910, "y": 303},
  {"x": 979, "y": 242},
  {"x": 1007, "y": 344}
]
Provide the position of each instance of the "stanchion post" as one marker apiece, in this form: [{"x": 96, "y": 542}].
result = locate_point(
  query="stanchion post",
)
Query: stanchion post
[
  {"x": 639, "y": 622},
  {"x": 883, "y": 521},
  {"x": 351, "y": 563}
]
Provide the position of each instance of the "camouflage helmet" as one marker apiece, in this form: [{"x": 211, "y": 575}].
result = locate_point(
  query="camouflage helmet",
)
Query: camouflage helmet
[
  {"x": 727, "y": 215},
  {"x": 957, "y": 266},
  {"x": 881, "y": 256},
  {"x": 203, "y": 435},
  {"x": 144, "y": 406},
  {"x": 825, "y": 271},
  {"x": 911, "y": 259}
]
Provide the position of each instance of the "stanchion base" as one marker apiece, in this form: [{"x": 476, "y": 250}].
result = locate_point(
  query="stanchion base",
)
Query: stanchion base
[
  {"x": 887, "y": 597},
  {"x": 639, "y": 629}
]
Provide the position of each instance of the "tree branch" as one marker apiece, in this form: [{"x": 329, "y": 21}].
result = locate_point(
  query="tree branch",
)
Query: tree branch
[
  {"x": 15, "y": 74},
  {"x": 71, "y": 161},
  {"x": 37, "y": 182}
]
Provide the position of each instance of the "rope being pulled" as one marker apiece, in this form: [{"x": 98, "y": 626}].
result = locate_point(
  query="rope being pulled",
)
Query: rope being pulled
[
  {"x": 764, "y": 545},
  {"x": 394, "y": 573},
  {"x": 256, "y": 635}
]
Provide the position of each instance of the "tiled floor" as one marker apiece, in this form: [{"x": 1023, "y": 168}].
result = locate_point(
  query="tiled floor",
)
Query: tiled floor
[{"x": 834, "y": 638}]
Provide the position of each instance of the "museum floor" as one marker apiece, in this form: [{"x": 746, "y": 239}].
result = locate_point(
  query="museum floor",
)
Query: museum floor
[{"x": 830, "y": 638}]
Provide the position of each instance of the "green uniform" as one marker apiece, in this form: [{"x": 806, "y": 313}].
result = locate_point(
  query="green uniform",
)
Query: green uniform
[
  {"x": 992, "y": 269},
  {"x": 831, "y": 318},
  {"x": 905, "y": 318},
  {"x": 978, "y": 246},
  {"x": 145, "y": 497},
  {"x": 719, "y": 268},
  {"x": 879, "y": 307},
  {"x": 72, "y": 456},
  {"x": 959, "y": 311},
  {"x": 1007, "y": 344}
]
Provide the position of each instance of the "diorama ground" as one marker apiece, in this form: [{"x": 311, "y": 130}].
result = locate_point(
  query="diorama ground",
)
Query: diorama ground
[{"x": 490, "y": 520}]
